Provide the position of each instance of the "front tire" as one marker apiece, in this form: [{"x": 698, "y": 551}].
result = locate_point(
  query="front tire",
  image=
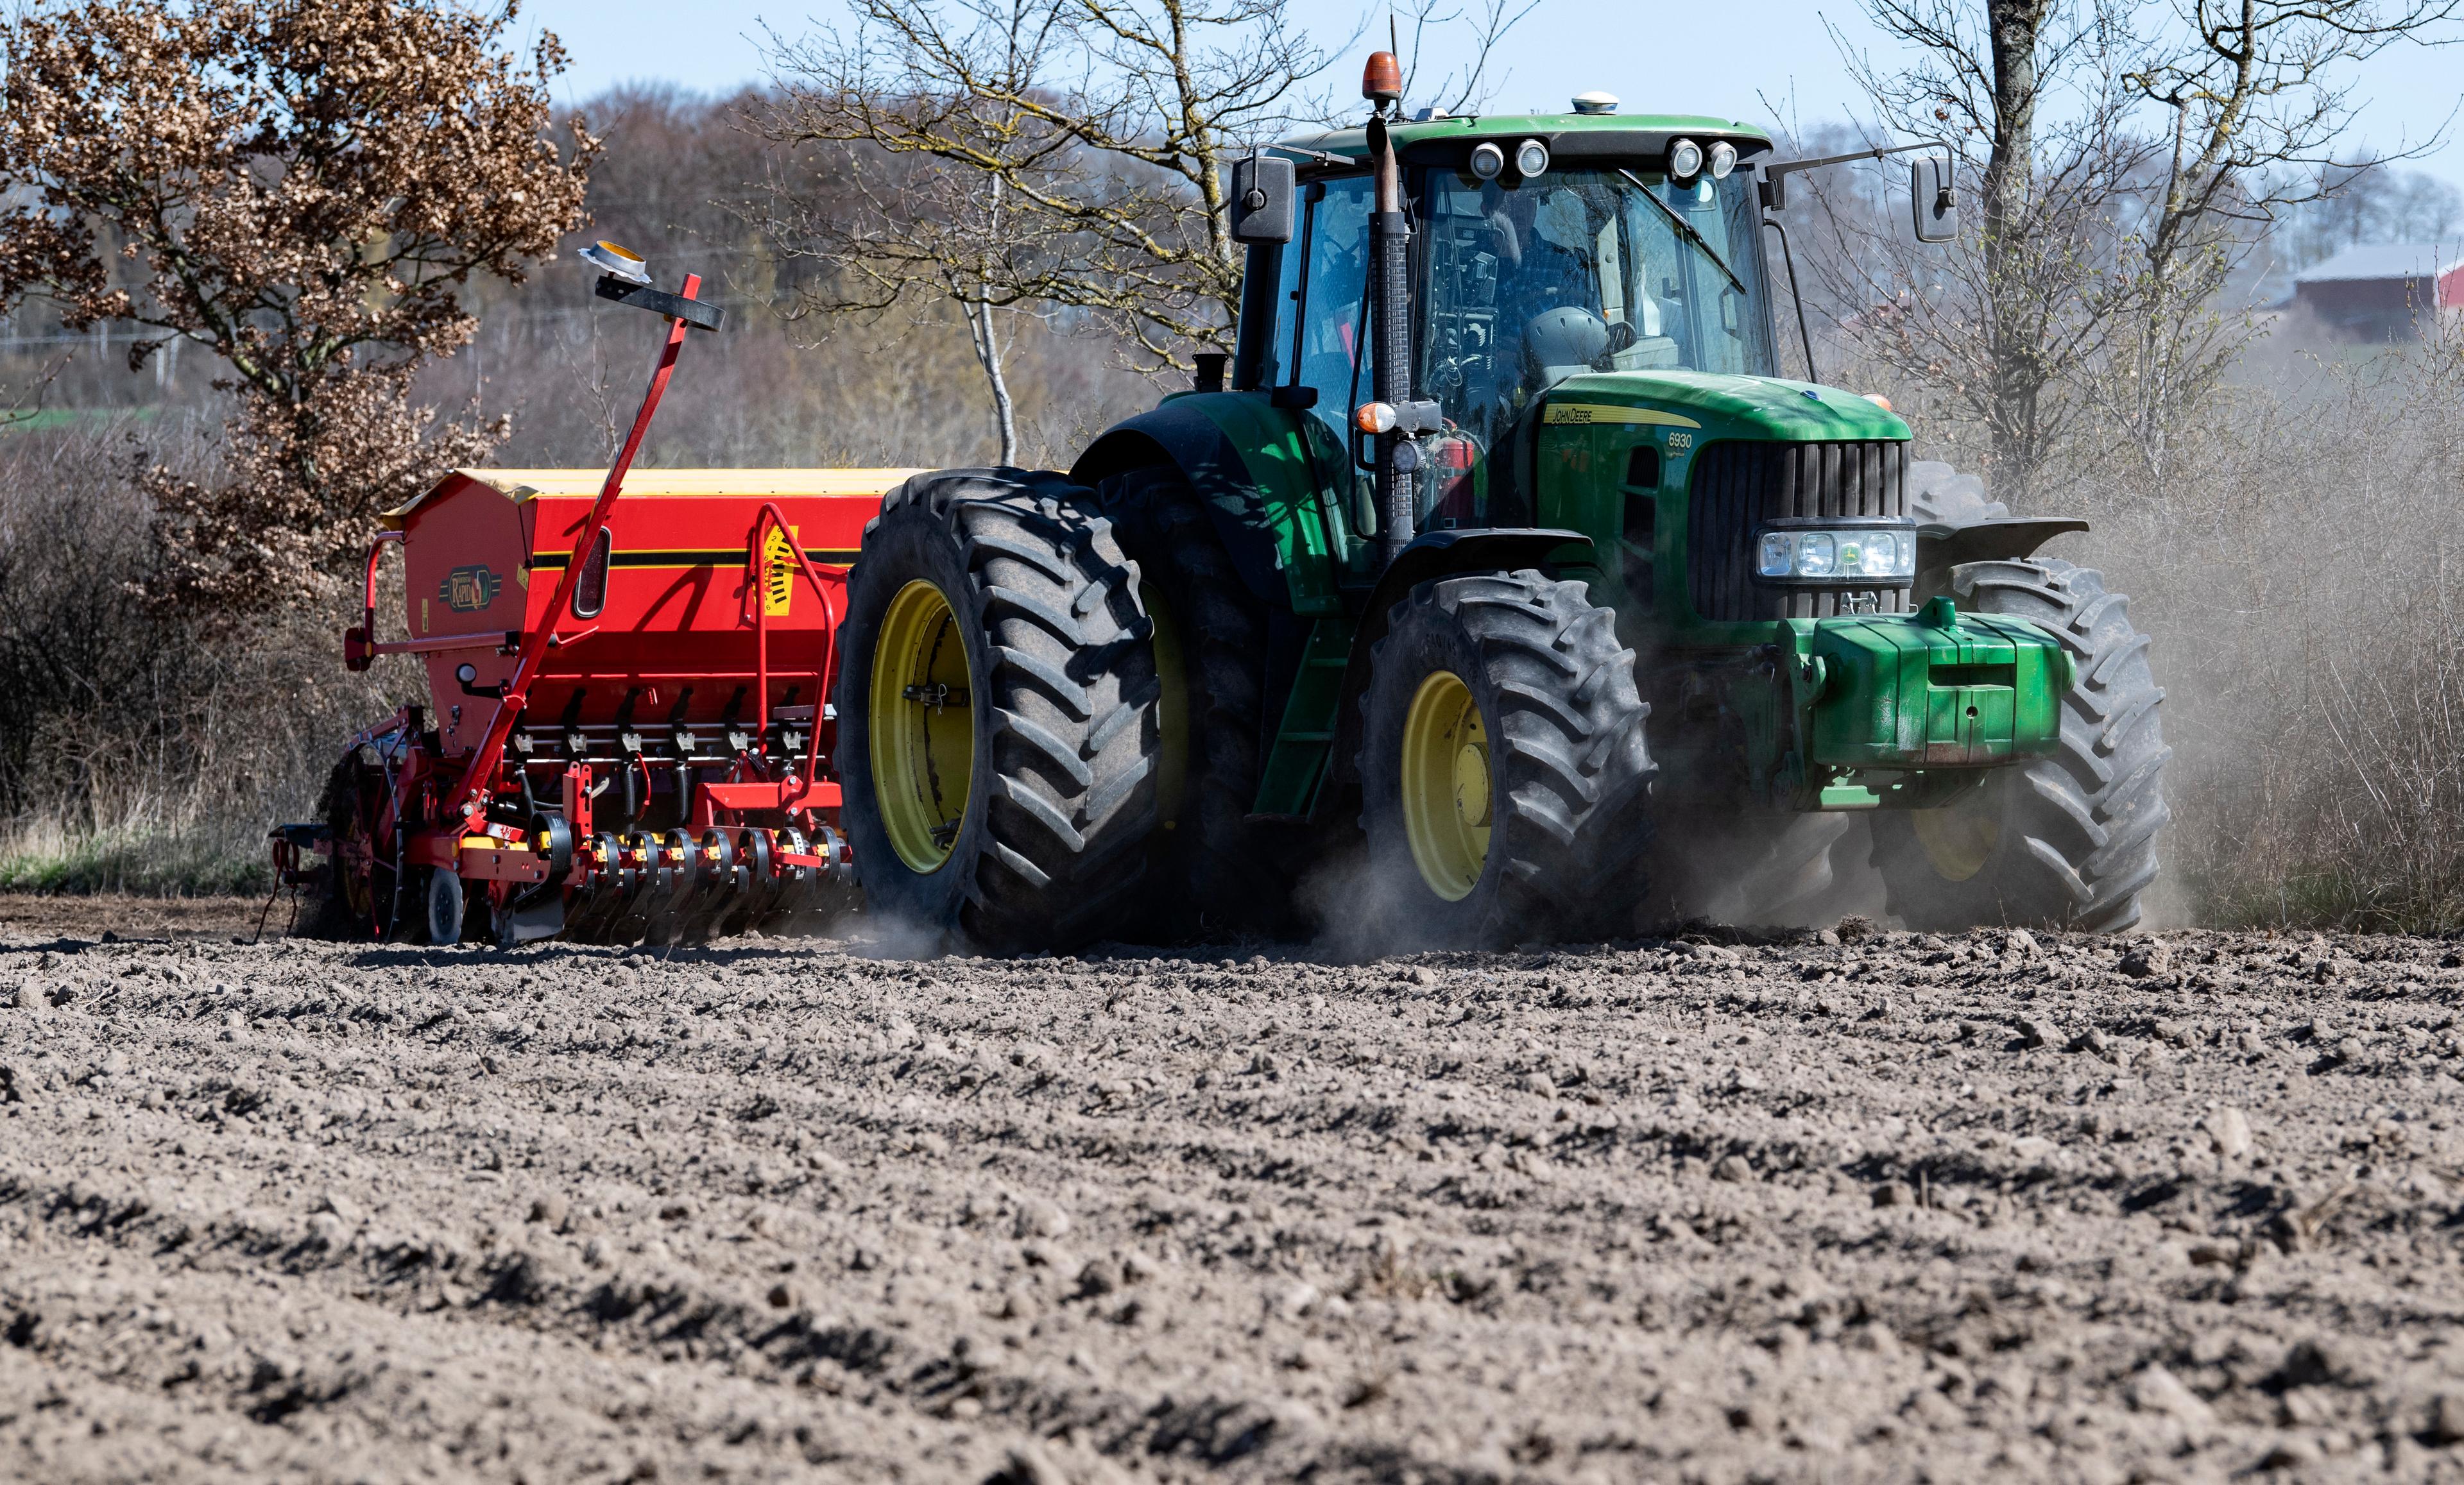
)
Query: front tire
[
  {"x": 998, "y": 730},
  {"x": 2066, "y": 841},
  {"x": 1504, "y": 772}
]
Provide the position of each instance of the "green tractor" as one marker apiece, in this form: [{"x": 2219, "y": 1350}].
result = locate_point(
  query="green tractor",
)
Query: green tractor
[{"x": 1506, "y": 586}]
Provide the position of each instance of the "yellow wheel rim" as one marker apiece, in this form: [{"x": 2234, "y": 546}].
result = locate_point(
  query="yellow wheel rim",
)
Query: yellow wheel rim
[
  {"x": 1446, "y": 784},
  {"x": 922, "y": 724},
  {"x": 1958, "y": 839},
  {"x": 1171, "y": 708}
]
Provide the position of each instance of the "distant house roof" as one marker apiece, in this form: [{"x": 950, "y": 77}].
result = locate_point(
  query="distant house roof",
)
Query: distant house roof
[{"x": 2386, "y": 260}]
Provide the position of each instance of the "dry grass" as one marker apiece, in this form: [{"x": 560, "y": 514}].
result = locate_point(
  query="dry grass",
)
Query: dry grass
[{"x": 142, "y": 750}]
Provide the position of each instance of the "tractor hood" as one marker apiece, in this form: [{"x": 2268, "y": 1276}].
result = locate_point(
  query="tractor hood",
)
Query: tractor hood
[{"x": 1722, "y": 406}]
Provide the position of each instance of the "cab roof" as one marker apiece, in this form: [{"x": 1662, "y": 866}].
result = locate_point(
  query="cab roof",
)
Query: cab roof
[{"x": 1574, "y": 136}]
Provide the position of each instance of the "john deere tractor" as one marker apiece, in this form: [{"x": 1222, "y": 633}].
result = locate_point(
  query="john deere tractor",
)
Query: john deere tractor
[{"x": 1508, "y": 574}]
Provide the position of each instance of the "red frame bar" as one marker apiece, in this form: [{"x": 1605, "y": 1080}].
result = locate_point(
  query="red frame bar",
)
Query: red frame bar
[
  {"x": 493, "y": 639},
  {"x": 360, "y": 646},
  {"x": 484, "y": 758}
]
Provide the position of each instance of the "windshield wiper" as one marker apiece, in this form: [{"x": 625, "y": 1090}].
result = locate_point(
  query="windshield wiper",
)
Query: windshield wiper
[{"x": 1685, "y": 226}]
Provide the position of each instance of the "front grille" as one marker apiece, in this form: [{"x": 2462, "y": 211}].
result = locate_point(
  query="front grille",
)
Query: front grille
[{"x": 1739, "y": 486}]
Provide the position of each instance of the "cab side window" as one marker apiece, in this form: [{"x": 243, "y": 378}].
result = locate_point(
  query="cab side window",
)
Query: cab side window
[{"x": 1325, "y": 277}]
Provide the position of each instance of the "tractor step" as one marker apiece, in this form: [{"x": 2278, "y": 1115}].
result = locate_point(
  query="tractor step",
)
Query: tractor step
[{"x": 1295, "y": 769}]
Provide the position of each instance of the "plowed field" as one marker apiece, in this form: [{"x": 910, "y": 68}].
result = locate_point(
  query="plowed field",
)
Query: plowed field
[{"x": 1899, "y": 1206}]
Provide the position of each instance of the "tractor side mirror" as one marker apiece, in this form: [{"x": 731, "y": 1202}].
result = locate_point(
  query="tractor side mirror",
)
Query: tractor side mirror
[
  {"x": 1261, "y": 199},
  {"x": 1931, "y": 199}
]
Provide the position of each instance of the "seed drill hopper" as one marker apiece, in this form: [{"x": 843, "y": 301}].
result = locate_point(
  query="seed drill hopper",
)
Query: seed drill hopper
[{"x": 628, "y": 727}]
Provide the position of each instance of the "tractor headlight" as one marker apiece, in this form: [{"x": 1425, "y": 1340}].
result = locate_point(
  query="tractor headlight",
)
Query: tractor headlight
[
  {"x": 1723, "y": 158},
  {"x": 1530, "y": 159},
  {"x": 1487, "y": 161},
  {"x": 1684, "y": 160},
  {"x": 1847, "y": 552}
]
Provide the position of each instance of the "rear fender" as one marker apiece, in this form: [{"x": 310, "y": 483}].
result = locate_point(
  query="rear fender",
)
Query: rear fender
[
  {"x": 1263, "y": 477},
  {"x": 1436, "y": 554}
]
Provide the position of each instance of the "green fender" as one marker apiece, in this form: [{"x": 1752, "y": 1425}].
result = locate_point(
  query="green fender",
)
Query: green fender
[{"x": 1268, "y": 478}]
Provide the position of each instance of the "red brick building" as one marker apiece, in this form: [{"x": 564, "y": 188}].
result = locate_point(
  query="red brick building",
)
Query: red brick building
[{"x": 2384, "y": 291}]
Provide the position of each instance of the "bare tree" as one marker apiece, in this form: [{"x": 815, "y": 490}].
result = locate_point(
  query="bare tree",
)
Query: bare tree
[
  {"x": 310, "y": 192},
  {"x": 2007, "y": 322},
  {"x": 920, "y": 205},
  {"x": 2121, "y": 168},
  {"x": 1050, "y": 157},
  {"x": 2245, "y": 88},
  {"x": 1466, "y": 87},
  {"x": 1083, "y": 147},
  {"x": 2365, "y": 201}
]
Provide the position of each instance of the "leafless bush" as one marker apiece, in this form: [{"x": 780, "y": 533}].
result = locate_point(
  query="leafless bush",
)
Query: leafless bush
[
  {"x": 141, "y": 750},
  {"x": 2298, "y": 571}
]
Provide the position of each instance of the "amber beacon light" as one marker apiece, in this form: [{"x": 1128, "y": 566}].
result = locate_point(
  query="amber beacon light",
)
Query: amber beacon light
[{"x": 1382, "y": 81}]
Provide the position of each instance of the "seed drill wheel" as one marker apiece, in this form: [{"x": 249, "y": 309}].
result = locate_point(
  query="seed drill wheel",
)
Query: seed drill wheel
[
  {"x": 2068, "y": 842},
  {"x": 445, "y": 909},
  {"x": 998, "y": 728},
  {"x": 1504, "y": 777},
  {"x": 357, "y": 902}
]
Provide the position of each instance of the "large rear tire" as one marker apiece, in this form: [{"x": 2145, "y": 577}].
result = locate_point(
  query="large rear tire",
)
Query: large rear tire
[
  {"x": 2067, "y": 842},
  {"x": 1505, "y": 781},
  {"x": 997, "y": 720},
  {"x": 1939, "y": 495}
]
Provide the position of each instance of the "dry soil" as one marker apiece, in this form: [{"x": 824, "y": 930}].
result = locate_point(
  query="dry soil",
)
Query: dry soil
[{"x": 1895, "y": 1208}]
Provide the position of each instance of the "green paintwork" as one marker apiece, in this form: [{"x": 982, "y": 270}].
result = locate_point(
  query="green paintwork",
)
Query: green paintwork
[
  {"x": 1583, "y": 466},
  {"x": 1296, "y": 495},
  {"x": 1738, "y": 406},
  {"x": 1293, "y": 463},
  {"x": 1295, "y": 766},
  {"x": 1913, "y": 692}
]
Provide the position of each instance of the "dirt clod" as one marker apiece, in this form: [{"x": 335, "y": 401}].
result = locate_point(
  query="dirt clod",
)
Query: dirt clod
[
  {"x": 2147, "y": 958},
  {"x": 2034, "y": 1031},
  {"x": 1040, "y": 1216},
  {"x": 2228, "y": 1128}
]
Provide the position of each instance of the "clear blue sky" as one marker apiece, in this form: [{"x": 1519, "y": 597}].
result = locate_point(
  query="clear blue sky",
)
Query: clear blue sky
[{"x": 1712, "y": 58}]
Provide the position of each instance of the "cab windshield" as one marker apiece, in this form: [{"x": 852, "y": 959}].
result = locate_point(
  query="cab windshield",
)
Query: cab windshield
[{"x": 1577, "y": 271}]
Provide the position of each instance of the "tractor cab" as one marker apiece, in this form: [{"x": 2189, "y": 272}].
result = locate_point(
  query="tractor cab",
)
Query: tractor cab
[{"x": 1543, "y": 248}]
